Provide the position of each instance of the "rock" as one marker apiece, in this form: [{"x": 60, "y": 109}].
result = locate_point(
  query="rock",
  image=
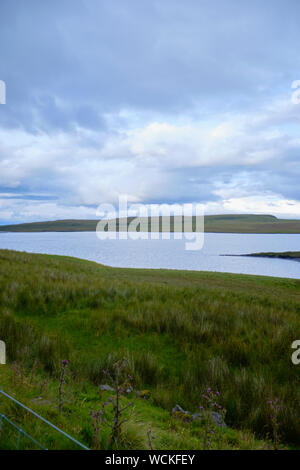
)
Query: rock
[
  {"x": 178, "y": 408},
  {"x": 180, "y": 413},
  {"x": 106, "y": 388},
  {"x": 40, "y": 401},
  {"x": 216, "y": 418}
]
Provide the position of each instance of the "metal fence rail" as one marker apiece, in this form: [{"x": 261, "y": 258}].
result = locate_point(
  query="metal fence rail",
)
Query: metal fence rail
[
  {"x": 40, "y": 418},
  {"x": 20, "y": 432}
]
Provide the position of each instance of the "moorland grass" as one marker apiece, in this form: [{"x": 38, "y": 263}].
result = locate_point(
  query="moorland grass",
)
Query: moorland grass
[
  {"x": 226, "y": 223},
  {"x": 180, "y": 331}
]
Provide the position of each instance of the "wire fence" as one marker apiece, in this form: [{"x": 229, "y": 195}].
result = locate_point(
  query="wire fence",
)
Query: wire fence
[{"x": 21, "y": 432}]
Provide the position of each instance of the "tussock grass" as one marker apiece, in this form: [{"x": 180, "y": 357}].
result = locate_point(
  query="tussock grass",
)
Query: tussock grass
[{"x": 181, "y": 332}]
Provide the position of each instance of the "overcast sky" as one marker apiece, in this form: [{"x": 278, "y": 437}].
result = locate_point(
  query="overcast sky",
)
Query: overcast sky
[{"x": 166, "y": 101}]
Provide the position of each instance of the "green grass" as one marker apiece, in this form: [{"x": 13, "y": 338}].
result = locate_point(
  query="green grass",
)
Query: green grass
[
  {"x": 181, "y": 331},
  {"x": 236, "y": 223}
]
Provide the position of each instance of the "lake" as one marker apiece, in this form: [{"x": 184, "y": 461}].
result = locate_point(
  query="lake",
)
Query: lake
[{"x": 170, "y": 254}]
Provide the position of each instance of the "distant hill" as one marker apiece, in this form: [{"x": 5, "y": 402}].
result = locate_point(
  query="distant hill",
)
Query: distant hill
[
  {"x": 228, "y": 223},
  {"x": 53, "y": 226},
  {"x": 292, "y": 255}
]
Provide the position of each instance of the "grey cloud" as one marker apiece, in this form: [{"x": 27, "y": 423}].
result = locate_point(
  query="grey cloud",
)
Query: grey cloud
[
  {"x": 156, "y": 55},
  {"x": 85, "y": 78}
]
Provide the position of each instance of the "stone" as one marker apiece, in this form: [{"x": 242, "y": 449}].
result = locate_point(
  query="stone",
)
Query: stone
[
  {"x": 106, "y": 388},
  {"x": 216, "y": 418},
  {"x": 40, "y": 401},
  {"x": 178, "y": 408}
]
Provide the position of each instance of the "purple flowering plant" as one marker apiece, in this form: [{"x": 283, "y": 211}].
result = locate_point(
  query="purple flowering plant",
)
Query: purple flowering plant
[
  {"x": 122, "y": 386},
  {"x": 213, "y": 415}
]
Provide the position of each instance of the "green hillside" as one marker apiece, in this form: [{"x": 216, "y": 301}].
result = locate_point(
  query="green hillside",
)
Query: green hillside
[
  {"x": 181, "y": 333},
  {"x": 243, "y": 223}
]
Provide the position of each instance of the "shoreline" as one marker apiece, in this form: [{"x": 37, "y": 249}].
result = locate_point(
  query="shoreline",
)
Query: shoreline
[
  {"x": 225, "y": 223},
  {"x": 181, "y": 271},
  {"x": 269, "y": 256}
]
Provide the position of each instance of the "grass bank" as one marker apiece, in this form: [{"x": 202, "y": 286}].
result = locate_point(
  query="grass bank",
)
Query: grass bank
[
  {"x": 181, "y": 332},
  {"x": 292, "y": 255},
  {"x": 228, "y": 223}
]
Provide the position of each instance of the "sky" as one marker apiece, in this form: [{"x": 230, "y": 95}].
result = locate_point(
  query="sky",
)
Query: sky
[{"x": 162, "y": 101}]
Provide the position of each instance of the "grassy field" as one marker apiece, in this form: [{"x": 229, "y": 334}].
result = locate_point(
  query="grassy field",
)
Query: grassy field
[
  {"x": 181, "y": 332},
  {"x": 213, "y": 224}
]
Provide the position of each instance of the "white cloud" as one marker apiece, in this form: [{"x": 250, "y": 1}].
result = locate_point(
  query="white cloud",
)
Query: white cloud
[
  {"x": 230, "y": 156},
  {"x": 263, "y": 204}
]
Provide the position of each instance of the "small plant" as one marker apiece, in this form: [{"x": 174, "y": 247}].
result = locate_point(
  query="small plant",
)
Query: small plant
[
  {"x": 120, "y": 388},
  {"x": 121, "y": 385},
  {"x": 33, "y": 371},
  {"x": 64, "y": 364},
  {"x": 151, "y": 438},
  {"x": 275, "y": 409},
  {"x": 97, "y": 420},
  {"x": 213, "y": 415},
  {"x": 18, "y": 373}
]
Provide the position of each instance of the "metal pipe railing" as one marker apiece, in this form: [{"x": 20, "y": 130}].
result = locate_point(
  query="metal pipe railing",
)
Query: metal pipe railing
[
  {"x": 44, "y": 420},
  {"x": 21, "y": 431}
]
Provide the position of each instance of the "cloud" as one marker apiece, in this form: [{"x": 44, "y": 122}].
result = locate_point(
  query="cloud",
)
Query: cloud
[
  {"x": 162, "y": 101},
  {"x": 221, "y": 161}
]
